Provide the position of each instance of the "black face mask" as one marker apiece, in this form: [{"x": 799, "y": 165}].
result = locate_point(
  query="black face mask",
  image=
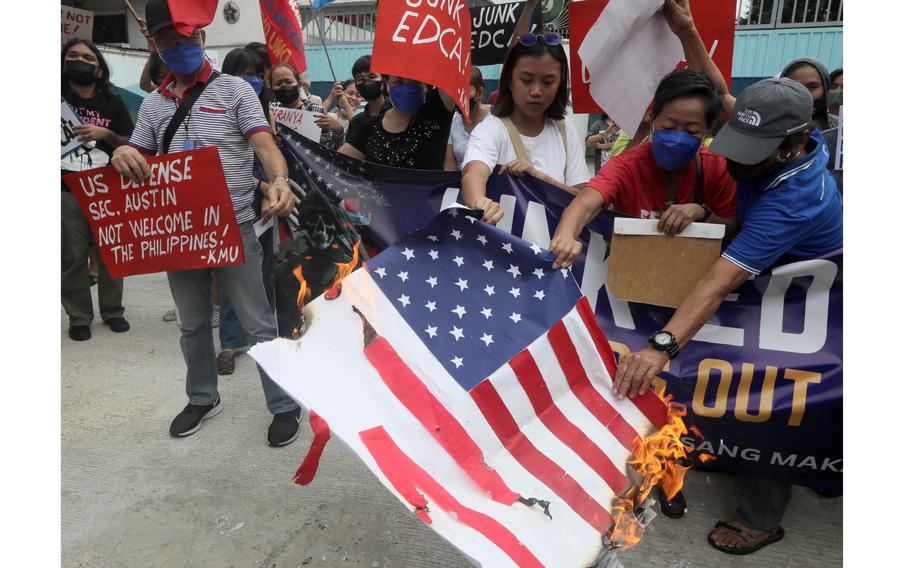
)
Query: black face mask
[
  {"x": 370, "y": 89},
  {"x": 756, "y": 172},
  {"x": 287, "y": 95},
  {"x": 472, "y": 104},
  {"x": 80, "y": 72},
  {"x": 820, "y": 108}
]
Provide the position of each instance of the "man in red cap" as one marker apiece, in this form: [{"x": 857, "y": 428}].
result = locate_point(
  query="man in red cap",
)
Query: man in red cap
[{"x": 195, "y": 107}]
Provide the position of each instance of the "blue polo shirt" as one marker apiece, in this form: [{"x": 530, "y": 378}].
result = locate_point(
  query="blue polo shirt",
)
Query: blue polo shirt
[{"x": 797, "y": 211}]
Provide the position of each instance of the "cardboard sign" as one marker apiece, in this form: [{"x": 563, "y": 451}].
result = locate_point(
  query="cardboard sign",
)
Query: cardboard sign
[
  {"x": 68, "y": 121},
  {"x": 715, "y": 22},
  {"x": 491, "y": 28},
  {"x": 426, "y": 40},
  {"x": 75, "y": 23},
  {"x": 301, "y": 121},
  {"x": 179, "y": 218},
  {"x": 649, "y": 267},
  {"x": 283, "y": 34}
]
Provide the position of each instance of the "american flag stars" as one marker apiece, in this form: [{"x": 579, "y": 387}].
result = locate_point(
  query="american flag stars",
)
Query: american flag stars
[{"x": 470, "y": 334}]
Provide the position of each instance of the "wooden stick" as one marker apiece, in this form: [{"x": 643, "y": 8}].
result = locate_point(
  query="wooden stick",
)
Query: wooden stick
[{"x": 132, "y": 10}]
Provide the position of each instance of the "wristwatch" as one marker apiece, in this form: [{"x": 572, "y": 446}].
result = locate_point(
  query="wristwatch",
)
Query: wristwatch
[
  {"x": 665, "y": 341},
  {"x": 707, "y": 214}
]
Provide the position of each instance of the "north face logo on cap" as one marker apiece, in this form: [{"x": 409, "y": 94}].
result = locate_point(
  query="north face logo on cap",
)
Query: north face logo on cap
[{"x": 749, "y": 116}]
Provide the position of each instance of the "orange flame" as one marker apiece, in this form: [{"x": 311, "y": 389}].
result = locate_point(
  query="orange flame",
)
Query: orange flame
[
  {"x": 344, "y": 270},
  {"x": 302, "y": 294},
  {"x": 658, "y": 460},
  {"x": 705, "y": 458}
]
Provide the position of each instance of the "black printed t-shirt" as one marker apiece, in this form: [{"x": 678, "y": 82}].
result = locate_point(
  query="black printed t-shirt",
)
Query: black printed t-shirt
[
  {"x": 421, "y": 146},
  {"x": 109, "y": 112}
]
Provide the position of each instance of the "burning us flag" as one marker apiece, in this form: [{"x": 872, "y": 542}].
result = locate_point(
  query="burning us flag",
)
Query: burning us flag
[{"x": 473, "y": 381}]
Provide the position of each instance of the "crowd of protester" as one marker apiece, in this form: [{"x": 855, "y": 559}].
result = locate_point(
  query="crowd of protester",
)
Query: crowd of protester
[{"x": 696, "y": 157}]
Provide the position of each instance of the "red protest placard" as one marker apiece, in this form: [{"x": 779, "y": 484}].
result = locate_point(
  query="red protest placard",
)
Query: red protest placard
[
  {"x": 179, "y": 218},
  {"x": 426, "y": 40},
  {"x": 283, "y": 36},
  {"x": 715, "y": 21}
]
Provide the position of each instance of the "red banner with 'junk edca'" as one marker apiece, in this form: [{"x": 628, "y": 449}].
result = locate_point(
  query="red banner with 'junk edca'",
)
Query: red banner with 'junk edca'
[
  {"x": 426, "y": 40},
  {"x": 179, "y": 218},
  {"x": 283, "y": 36}
]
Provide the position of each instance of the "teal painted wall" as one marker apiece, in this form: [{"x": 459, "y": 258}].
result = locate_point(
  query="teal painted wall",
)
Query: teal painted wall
[{"x": 763, "y": 53}]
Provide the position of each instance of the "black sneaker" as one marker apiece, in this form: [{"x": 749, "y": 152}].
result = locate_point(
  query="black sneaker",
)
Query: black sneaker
[
  {"x": 118, "y": 325},
  {"x": 190, "y": 418},
  {"x": 80, "y": 332},
  {"x": 284, "y": 426}
]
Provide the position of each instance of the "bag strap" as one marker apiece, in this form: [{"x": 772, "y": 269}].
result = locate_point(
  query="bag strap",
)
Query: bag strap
[
  {"x": 189, "y": 98},
  {"x": 515, "y": 137},
  {"x": 522, "y": 152},
  {"x": 561, "y": 125},
  {"x": 699, "y": 180}
]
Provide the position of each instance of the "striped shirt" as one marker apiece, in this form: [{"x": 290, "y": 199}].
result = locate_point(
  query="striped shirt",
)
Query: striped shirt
[{"x": 225, "y": 115}]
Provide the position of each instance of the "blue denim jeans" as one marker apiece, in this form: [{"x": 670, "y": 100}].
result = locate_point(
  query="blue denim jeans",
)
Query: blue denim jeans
[
  {"x": 230, "y": 332},
  {"x": 191, "y": 290}
]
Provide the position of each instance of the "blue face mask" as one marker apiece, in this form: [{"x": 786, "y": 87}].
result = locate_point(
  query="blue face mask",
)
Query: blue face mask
[
  {"x": 184, "y": 59},
  {"x": 255, "y": 81},
  {"x": 407, "y": 97},
  {"x": 673, "y": 149}
]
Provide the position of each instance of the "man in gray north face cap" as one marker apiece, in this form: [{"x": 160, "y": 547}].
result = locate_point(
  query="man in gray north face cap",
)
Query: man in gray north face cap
[{"x": 787, "y": 204}]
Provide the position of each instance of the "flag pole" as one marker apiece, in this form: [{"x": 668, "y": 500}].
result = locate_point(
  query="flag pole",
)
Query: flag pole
[
  {"x": 132, "y": 10},
  {"x": 322, "y": 38}
]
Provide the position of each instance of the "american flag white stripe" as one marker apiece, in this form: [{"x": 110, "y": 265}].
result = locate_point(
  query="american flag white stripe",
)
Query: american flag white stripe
[
  {"x": 566, "y": 401},
  {"x": 600, "y": 377},
  {"x": 506, "y": 384}
]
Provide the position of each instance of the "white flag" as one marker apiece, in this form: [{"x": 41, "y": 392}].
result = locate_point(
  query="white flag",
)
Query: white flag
[{"x": 627, "y": 51}]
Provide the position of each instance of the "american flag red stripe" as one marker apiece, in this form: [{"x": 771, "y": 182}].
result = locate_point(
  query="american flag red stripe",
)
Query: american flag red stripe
[
  {"x": 581, "y": 385},
  {"x": 436, "y": 418},
  {"x": 652, "y": 407},
  {"x": 408, "y": 478},
  {"x": 559, "y": 481},
  {"x": 569, "y": 433}
]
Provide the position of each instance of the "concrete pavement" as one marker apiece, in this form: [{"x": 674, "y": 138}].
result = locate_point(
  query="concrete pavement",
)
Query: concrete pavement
[{"x": 133, "y": 497}]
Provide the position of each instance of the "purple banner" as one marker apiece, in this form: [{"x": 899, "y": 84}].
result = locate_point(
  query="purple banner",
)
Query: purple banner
[{"x": 762, "y": 381}]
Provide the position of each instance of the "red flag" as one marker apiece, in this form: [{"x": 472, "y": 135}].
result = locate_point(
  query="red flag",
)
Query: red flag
[
  {"x": 189, "y": 15},
  {"x": 283, "y": 35},
  {"x": 429, "y": 43}
]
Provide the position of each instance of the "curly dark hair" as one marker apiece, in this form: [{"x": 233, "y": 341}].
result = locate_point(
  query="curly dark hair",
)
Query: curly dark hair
[
  {"x": 102, "y": 85},
  {"x": 505, "y": 104}
]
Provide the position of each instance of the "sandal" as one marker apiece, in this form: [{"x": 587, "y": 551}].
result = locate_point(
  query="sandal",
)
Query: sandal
[
  {"x": 225, "y": 362},
  {"x": 751, "y": 538}
]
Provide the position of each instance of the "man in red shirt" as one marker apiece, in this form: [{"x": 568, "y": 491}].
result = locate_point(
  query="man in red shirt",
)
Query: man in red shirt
[{"x": 672, "y": 177}]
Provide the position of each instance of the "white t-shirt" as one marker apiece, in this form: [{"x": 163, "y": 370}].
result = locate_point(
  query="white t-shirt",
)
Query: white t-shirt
[
  {"x": 491, "y": 145},
  {"x": 459, "y": 138}
]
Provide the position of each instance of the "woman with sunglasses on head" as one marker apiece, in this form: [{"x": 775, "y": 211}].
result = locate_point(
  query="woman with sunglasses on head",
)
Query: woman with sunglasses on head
[{"x": 526, "y": 132}]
